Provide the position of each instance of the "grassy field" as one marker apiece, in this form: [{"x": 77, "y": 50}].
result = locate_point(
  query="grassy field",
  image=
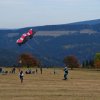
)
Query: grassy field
[{"x": 81, "y": 85}]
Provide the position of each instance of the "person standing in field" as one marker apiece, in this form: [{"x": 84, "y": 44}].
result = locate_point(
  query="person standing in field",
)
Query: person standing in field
[
  {"x": 21, "y": 75},
  {"x": 65, "y": 73},
  {"x": 14, "y": 70}
]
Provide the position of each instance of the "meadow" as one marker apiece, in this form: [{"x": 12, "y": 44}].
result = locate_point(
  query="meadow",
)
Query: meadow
[{"x": 82, "y": 84}]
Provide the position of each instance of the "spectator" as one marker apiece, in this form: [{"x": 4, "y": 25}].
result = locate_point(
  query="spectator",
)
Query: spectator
[
  {"x": 21, "y": 75},
  {"x": 65, "y": 73}
]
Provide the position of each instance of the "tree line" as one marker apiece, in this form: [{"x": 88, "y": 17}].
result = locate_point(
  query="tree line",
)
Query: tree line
[{"x": 27, "y": 60}]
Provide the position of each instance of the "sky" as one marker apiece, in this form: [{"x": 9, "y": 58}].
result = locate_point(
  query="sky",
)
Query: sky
[{"x": 26, "y": 13}]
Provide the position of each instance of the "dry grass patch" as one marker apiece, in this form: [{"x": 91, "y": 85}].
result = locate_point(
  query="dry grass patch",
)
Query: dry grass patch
[{"x": 81, "y": 85}]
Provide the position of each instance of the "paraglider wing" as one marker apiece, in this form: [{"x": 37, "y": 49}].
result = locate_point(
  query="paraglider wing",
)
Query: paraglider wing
[
  {"x": 30, "y": 33},
  {"x": 24, "y": 38}
]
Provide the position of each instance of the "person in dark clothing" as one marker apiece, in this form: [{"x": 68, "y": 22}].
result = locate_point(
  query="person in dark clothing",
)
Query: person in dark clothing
[
  {"x": 36, "y": 70},
  {"x": 13, "y": 70},
  {"x": 21, "y": 75}
]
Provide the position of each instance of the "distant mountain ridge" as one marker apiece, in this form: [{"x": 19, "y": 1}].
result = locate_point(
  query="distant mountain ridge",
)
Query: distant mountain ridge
[
  {"x": 55, "y": 27},
  {"x": 52, "y": 43}
]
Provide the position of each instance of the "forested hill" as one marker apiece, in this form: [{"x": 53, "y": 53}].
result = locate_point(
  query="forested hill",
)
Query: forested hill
[{"x": 52, "y": 43}]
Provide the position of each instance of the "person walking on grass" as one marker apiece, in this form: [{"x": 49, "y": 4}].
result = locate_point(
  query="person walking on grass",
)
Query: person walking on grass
[
  {"x": 65, "y": 72},
  {"x": 21, "y": 75}
]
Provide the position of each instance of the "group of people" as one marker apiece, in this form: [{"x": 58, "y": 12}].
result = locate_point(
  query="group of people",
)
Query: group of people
[{"x": 21, "y": 74}]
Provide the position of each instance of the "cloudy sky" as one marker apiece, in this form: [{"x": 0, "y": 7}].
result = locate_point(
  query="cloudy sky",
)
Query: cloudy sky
[{"x": 24, "y": 13}]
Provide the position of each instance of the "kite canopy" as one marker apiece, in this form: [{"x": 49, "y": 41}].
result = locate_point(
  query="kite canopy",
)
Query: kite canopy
[{"x": 24, "y": 38}]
